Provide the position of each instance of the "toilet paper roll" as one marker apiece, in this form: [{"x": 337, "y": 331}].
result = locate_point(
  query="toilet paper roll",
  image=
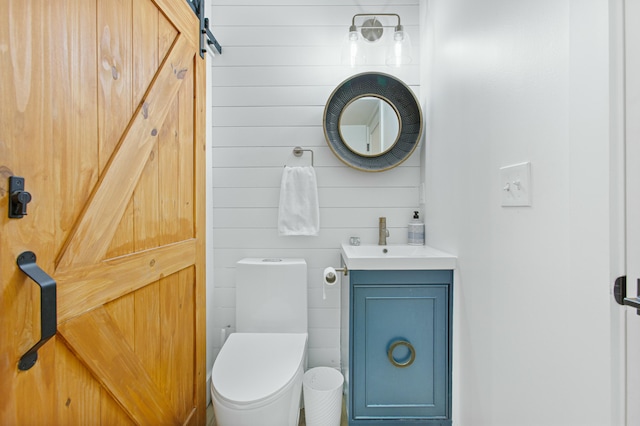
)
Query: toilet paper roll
[{"x": 330, "y": 276}]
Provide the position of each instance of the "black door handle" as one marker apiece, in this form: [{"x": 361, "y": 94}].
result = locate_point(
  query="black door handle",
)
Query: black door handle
[
  {"x": 620, "y": 293},
  {"x": 48, "y": 310}
]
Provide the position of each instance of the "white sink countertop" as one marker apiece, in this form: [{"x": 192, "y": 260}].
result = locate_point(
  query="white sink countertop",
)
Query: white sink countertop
[{"x": 396, "y": 257}]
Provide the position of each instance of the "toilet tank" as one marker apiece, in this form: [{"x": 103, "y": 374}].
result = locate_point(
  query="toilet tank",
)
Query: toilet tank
[{"x": 271, "y": 296}]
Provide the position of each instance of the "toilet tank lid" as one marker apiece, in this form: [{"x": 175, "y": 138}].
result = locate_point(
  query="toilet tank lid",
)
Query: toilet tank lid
[{"x": 272, "y": 260}]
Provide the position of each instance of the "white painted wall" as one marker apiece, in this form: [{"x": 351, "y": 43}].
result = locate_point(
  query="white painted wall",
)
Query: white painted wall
[
  {"x": 513, "y": 81},
  {"x": 279, "y": 65}
]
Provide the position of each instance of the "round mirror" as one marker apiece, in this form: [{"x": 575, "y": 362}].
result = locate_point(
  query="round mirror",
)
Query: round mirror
[
  {"x": 369, "y": 126},
  {"x": 372, "y": 122}
]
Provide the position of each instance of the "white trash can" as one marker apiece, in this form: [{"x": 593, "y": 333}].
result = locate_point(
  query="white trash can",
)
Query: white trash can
[{"x": 322, "y": 390}]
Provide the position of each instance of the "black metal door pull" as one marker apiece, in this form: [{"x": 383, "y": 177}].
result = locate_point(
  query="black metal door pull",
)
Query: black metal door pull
[
  {"x": 620, "y": 293},
  {"x": 48, "y": 316}
]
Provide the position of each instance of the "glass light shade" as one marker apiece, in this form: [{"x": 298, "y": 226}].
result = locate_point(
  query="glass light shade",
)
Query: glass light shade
[
  {"x": 352, "y": 49},
  {"x": 399, "y": 51}
]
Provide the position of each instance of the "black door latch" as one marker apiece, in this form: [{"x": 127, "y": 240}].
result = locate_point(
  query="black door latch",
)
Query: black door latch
[{"x": 18, "y": 197}]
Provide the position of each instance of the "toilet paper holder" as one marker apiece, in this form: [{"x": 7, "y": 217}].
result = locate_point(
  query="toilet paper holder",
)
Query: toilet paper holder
[
  {"x": 344, "y": 270},
  {"x": 330, "y": 277}
]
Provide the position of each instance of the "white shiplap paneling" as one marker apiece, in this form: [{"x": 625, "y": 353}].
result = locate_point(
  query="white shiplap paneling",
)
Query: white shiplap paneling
[
  {"x": 304, "y": 15},
  {"x": 279, "y": 65}
]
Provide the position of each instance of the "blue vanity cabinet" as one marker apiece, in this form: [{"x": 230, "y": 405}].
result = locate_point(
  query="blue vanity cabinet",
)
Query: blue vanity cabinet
[{"x": 400, "y": 347}]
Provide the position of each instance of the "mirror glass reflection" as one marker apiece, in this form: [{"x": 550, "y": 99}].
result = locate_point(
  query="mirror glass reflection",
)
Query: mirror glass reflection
[{"x": 369, "y": 126}]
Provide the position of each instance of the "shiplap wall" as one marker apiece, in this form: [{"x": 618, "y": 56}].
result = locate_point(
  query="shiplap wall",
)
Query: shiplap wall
[{"x": 280, "y": 63}]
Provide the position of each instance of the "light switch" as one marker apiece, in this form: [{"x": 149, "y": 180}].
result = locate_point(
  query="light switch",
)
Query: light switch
[{"x": 515, "y": 185}]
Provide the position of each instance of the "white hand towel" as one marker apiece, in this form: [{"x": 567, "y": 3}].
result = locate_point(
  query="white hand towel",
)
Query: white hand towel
[{"x": 298, "y": 212}]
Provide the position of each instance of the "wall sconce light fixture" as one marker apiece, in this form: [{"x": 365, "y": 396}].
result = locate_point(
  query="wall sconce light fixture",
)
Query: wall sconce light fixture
[{"x": 371, "y": 30}]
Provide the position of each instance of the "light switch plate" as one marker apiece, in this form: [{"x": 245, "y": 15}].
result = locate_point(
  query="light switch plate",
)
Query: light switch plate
[{"x": 515, "y": 185}]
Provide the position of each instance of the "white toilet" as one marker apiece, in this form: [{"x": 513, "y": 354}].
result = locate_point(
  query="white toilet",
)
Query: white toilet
[{"x": 257, "y": 376}]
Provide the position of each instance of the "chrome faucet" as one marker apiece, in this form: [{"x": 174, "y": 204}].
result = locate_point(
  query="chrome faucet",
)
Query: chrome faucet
[{"x": 383, "y": 232}]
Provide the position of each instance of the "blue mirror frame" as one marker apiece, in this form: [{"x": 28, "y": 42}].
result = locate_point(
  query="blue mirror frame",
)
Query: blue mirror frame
[{"x": 394, "y": 91}]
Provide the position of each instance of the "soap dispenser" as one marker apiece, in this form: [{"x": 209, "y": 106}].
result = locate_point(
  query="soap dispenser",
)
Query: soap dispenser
[{"x": 416, "y": 231}]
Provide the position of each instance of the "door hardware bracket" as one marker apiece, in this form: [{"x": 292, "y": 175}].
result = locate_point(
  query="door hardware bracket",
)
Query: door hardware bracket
[
  {"x": 620, "y": 293},
  {"x": 48, "y": 316},
  {"x": 206, "y": 36}
]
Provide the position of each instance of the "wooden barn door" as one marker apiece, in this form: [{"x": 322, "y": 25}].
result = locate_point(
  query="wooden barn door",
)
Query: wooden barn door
[{"x": 101, "y": 113}]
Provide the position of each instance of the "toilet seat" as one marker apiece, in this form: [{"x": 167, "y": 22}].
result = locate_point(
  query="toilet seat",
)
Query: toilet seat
[{"x": 252, "y": 368}]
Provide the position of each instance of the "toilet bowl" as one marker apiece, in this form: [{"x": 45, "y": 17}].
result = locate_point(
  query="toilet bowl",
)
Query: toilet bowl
[{"x": 257, "y": 379}]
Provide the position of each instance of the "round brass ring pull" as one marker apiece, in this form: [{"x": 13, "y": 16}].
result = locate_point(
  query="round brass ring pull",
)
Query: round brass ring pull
[{"x": 400, "y": 364}]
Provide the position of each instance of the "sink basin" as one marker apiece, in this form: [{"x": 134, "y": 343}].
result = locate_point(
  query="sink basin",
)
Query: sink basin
[{"x": 400, "y": 256}]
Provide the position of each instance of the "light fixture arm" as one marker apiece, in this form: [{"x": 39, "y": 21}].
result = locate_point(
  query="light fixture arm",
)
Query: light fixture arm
[{"x": 353, "y": 20}]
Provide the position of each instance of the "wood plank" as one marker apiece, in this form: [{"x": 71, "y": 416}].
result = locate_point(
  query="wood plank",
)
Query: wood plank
[
  {"x": 78, "y": 394},
  {"x": 115, "y": 99},
  {"x": 199, "y": 209},
  {"x": 86, "y": 288},
  {"x": 98, "y": 343},
  {"x": 148, "y": 329},
  {"x": 177, "y": 351},
  {"x": 186, "y": 173},
  {"x": 74, "y": 63},
  {"x": 146, "y": 205},
  {"x": 145, "y": 47},
  {"x": 168, "y": 157},
  {"x": 114, "y": 73},
  {"x": 91, "y": 237},
  {"x": 146, "y": 59}
]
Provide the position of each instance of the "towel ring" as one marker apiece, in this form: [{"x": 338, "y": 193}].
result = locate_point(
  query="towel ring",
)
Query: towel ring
[{"x": 298, "y": 151}]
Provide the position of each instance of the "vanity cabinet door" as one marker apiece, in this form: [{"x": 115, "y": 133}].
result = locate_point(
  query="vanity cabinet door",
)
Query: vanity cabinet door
[{"x": 401, "y": 346}]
